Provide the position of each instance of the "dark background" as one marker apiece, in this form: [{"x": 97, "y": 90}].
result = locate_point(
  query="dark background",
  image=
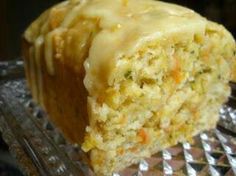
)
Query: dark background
[{"x": 16, "y": 15}]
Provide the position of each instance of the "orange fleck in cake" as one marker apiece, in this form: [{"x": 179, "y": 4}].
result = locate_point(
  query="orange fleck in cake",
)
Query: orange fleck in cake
[{"x": 127, "y": 78}]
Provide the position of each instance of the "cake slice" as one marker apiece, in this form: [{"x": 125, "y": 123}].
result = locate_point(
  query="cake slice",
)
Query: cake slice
[{"x": 128, "y": 78}]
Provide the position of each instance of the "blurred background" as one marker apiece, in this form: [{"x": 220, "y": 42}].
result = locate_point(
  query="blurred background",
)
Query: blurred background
[{"x": 16, "y": 15}]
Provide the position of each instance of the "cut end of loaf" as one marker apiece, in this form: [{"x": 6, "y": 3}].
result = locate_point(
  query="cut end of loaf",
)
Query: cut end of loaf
[{"x": 165, "y": 93}]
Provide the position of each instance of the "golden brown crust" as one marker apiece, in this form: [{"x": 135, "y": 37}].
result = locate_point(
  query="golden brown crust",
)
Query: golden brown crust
[
  {"x": 66, "y": 105},
  {"x": 64, "y": 95}
]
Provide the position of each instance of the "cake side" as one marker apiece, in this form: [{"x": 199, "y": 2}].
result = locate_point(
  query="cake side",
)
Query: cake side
[{"x": 54, "y": 68}]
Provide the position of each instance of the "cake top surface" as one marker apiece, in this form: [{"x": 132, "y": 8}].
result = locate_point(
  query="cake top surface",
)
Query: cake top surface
[
  {"x": 123, "y": 22},
  {"x": 122, "y": 27}
]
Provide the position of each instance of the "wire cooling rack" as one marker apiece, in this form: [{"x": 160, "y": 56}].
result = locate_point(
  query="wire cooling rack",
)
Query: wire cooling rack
[{"x": 41, "y": 149}]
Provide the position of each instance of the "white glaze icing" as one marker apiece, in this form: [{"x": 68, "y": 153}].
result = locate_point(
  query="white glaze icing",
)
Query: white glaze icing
[{"x": 73, "y": 14}]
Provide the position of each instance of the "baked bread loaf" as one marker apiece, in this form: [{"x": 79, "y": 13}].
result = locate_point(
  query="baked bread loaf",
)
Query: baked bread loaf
[{"x": 127, "y": 78}]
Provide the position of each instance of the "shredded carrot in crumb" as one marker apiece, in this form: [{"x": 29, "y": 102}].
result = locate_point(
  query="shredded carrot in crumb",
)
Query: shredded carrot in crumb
[
  {"x": 194, "y": 111},
  {"x": 168, "y": 129},
  {"x": 144, "y": 136},
  {"x": 100, "y": 159},
  {"x": 205, "y": 53},
  {"x": 121, "y": 151},
  {"x": 176, "y": 72},
  {"x": 101, "y": 99},
  {"x": 133, "y": 149}
]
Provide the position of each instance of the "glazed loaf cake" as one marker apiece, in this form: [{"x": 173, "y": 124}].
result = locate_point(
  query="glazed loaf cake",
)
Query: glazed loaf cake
[{"x": 127, "y": 78}]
